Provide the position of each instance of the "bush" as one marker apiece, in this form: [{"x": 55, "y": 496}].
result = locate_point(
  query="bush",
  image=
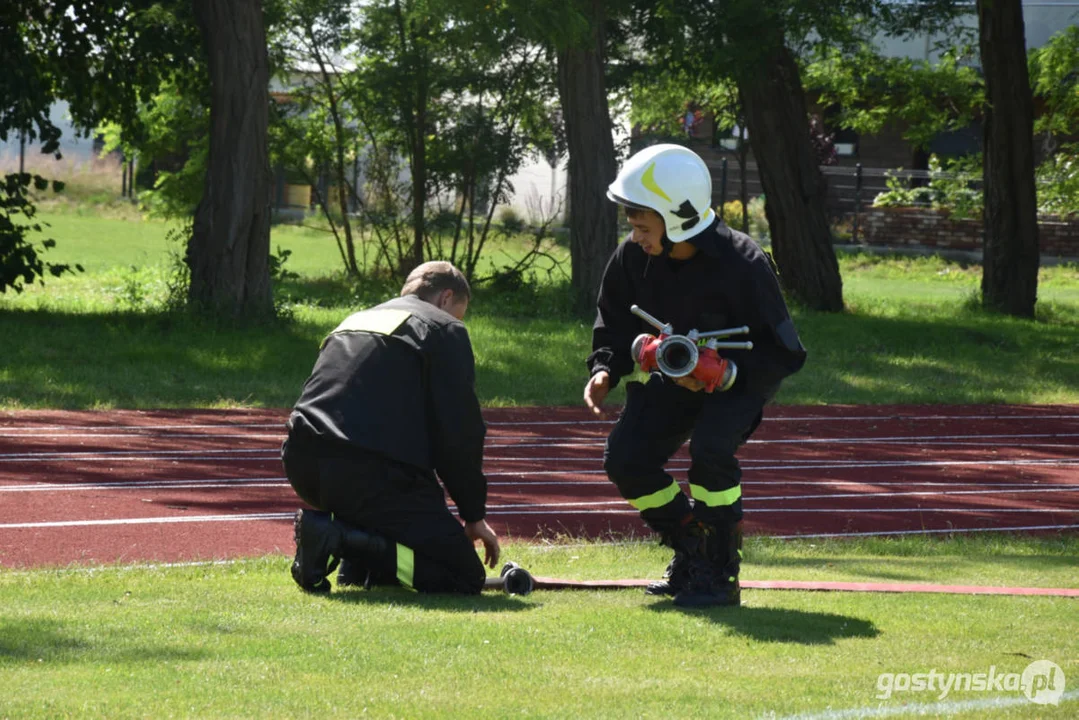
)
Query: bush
[
  {"x": 511, "y": 220},
  {"x": 954, "y": 186},
  {"x": 1058, "y": 182}
]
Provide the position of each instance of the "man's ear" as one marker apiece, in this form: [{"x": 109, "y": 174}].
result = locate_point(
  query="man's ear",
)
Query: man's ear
[{"x": 445, "y": 299}]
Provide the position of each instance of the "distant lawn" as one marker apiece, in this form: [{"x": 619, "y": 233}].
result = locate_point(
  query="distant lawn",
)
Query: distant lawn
[
  {"x": 240, "y": 640},
  {"x": 104, "y": 339}
]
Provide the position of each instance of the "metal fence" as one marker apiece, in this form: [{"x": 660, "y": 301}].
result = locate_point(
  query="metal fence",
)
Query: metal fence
[{"x": 850, "y": 189}]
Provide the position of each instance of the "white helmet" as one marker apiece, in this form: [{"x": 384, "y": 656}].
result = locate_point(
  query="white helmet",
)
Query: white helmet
[{"x": 673, "y": 181}]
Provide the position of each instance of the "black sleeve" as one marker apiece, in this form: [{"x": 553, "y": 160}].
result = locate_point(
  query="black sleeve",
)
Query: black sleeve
[
  {"x": 457, "y": 428},
  {"x": 615, "y": 327},
  {"x": 777, "y": 350}
]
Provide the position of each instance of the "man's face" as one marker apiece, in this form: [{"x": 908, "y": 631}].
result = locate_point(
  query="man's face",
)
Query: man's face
[{"x": 648, "y": 231}]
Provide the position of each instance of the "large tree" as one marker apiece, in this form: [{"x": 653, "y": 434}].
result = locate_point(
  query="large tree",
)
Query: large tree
[
  {"x": 582, "y": 89},
  {"x": 102, "y": 59},
  {"x": 108, "y": 59},
  {"x": 759, "y": 47},
  {"x": 775, "y": 109},
  {"x": 228, "y": 253},
  {"x": 1011, "y": 255}
]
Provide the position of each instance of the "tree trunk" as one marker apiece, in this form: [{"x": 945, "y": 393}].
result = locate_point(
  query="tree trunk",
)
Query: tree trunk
[
  {"x": 794, "y": 191},
  {"x": 1011, "y": 251},
  {"x": 593, "y": 219},
  {"x": 229, "y": 251}
]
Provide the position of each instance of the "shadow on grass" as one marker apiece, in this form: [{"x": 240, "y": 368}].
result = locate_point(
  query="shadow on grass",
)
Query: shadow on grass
[
  {"x": 49, "y": 641},
  {"x": 488, "y": 602},
  {"x": 781, "y": 625}
]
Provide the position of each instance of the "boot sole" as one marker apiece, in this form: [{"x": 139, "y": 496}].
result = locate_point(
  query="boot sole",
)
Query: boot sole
[{"x": 316, "y": 584}]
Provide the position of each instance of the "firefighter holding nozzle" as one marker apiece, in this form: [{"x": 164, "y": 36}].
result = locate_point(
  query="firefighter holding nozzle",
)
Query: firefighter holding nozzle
[{"x": 697, "y": 305}]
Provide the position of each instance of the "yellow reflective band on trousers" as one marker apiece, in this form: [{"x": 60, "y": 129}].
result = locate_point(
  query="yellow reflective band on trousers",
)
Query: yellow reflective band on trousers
[
  {"x": 715, "y": 498},
  {"x": 656, "y": 499},
  {"x": 406, "y": 565}
]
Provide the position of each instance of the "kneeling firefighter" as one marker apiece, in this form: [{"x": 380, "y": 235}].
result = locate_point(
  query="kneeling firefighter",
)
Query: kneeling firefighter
[
  {"x": 389, "y": 410},
  {"x": 683, "y": 266}
]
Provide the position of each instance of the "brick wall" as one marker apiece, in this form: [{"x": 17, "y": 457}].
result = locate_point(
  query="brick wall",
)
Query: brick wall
[{"x": 908, "y": 227}]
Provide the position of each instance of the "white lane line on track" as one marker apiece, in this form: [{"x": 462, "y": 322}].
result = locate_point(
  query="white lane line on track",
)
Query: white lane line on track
[
  {"x": 821, "y": 418},
  {"x": 938, "y": 439},
  {"x": 750, "y": 466},
  {"x": 552, "y": 510},
  {"x": 122, "y": 454},
  {"x": 747, "y": 483},
  {"x": 559, "y": 509},
  {"x": 927, "y": 493},
  {"x": 147, "y": 521},
  {"x": 949, "y": 531},
  {"x": 153, "y": 436},
  {"x": 33, "y": 429}
]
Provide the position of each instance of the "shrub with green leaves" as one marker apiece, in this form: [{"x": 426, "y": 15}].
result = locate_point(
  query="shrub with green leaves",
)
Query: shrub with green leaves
[{"x": 20, "y": 259}]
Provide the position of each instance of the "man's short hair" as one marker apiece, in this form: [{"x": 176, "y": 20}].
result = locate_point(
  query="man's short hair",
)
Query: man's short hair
[
  {"x": 634, "y": 212},
  {"x": 431, "y": 278}
]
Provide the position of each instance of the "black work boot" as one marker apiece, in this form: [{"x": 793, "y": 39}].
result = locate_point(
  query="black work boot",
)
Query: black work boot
[
  {"x": 318, "y": 540},
  {"x": 355, "y": 573},
  {"x": 321, "y": 541},
  {"x": 713, "y": 567},
  {"x": 674, "y": 578}
]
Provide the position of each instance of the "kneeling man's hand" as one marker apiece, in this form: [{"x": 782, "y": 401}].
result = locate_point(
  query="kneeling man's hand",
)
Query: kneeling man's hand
[{"x": 481, "y": 531}]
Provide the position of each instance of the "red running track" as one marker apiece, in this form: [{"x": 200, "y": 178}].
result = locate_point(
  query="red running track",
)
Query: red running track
[{"x": 175, "y": 486}]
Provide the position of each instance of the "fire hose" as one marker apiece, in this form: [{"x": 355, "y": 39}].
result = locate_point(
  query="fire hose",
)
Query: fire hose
[{"x": 693, "y": 354}]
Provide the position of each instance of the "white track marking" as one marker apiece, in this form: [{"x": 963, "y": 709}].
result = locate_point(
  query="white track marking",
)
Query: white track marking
[
  {"x": 937, "y": 709},
  {"x": 921, "y": 493},
  {"x": 35, "y": 428},
  {"x": 167, "y": 483},
  {"x": 906, "y": 438},
  {"x": 562, "y": 509},
  {"x": 154, "y": 435},
  {"x": 148, "y": 521},
  {"x": 750, "y": 466},
  {"x": 919, "y": 463},
  {"x": 820, "y": 418},
  {"x": 949, "y": 531},
  {"x": 110, "y": 454}
]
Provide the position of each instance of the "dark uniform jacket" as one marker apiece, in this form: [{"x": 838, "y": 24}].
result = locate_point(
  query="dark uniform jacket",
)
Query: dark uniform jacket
[
  {"x": 729, "y": 282},
  {"x": 399, "y": 380}
]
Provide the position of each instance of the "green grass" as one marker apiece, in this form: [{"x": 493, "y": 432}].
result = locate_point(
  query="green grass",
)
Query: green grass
[
  {"x": 239, "y": 640},
  {"x": 104, "y": 339}
]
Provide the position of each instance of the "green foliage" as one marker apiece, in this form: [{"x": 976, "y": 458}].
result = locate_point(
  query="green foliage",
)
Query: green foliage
[
  {"x": 435, "y": 103},
  {"x": 951, "y": 186},
  {"x": 868, "y": 91},
  {"x": 20, "y": 258},
  {"x": 954, "y": 186},
  {"x": 173, "y": 144},
  {"x": 1058, "y": 182},
  {"x": 101, "y": 59},
  {"x": 1054, "y": 79}
]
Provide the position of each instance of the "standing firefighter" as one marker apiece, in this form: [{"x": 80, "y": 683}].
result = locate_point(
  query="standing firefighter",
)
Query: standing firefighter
[
  {"x": 390, "y": 403},
  {"x": 684, "y": 266}
]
